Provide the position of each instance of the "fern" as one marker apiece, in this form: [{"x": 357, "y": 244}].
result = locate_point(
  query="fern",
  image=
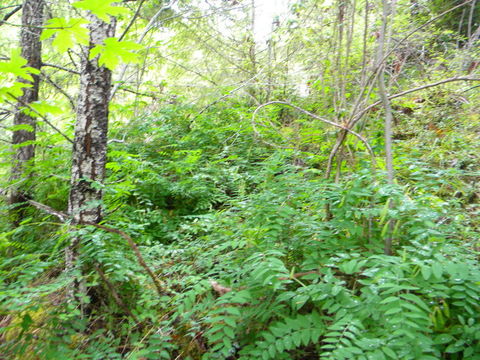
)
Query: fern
[{"x": 286, "y": 335}]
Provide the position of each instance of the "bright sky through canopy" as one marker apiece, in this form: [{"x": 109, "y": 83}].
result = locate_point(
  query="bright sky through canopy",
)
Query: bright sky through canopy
[{"x": 265, "y": 12}]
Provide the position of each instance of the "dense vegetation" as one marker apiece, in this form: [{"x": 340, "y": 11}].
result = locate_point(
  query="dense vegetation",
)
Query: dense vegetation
[{"x": 229, "y": 227}]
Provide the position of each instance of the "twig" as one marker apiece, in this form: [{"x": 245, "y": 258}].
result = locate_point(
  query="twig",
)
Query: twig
[
  {"x": 56, "y": 86},
  {"x": 49, "y": 210},
  {"x": 356, "y": 118},
  {"x": 137, "y": 253},
  {"x": 61, "y": 68},
  {"x": 43, "y": 118},
  {"x": 134, "y": 17},
  {"x": 406, "y": 92}
]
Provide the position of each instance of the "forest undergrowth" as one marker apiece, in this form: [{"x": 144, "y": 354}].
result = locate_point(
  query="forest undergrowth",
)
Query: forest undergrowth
[
  {"x": 176, "y": 185},
  {"x": 249, "y": 266}
]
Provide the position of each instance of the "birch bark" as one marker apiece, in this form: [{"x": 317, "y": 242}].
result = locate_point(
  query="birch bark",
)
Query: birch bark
[{"x": 90, "y": 141}]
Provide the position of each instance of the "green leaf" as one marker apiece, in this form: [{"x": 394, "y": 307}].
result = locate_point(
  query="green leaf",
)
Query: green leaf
[
  {"x": 415, "y": 299},
  {"x": 306, "y": 336},
  {"x": 67, "y": 33},
  {"x": 24, "y": 127},
  {"x": 389, "y": 300},
  {"x": 437, "y": 270},
  {"x": 44, "y": 108},
  {"x": 389, "y": 352},
  {"x": 297, "y": 338},
  {"x": 426, "y": 271},
  {"x": 10, "y": 71},
  {"x": 443, "y": 339},
  {"x": 112, "y": 52},
  {"x": 103, "y": 9}
]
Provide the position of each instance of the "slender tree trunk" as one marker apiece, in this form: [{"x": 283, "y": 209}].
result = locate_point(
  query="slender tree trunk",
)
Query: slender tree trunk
[
  {"x": 90, "y": 142},
  {"x": 382, "y": 42},
  {"x": 32, "y": 20}
]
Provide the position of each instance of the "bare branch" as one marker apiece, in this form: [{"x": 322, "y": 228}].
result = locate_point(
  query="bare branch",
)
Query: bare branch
[
  {"x": 10, "y": 14},
  {"x": 356, "y": 118},
  {"x": 63, "y": 217},
  {"x": 56, "y": 86},
  {"x": 326, "y": 121},
  {"x": 61, "y": 68}
]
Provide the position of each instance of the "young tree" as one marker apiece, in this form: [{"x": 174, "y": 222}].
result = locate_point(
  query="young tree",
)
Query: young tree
[{"x": 25, "y": 126}]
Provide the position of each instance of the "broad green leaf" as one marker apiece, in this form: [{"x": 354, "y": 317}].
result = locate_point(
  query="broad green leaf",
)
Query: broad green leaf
[
  {"x": 24, "y": 127},
  {"x": 112, "y": 52},
  {"x": 16, "y": 66},
  {"x": 67, "y": 33},
  {"x": 10, "y": 71},
  {"x": 44, "y": 108},
  {"x": 426, "y": 271},
  {"x": 437, "y": 270},
  {"x": 389, "y": 352},
  {"x": 103, "y": 9}
]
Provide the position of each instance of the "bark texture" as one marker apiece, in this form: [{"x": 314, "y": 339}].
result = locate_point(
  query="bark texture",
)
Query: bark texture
[
  {"x": 90, "y": 142},
  {"x": 32, "y": 20}
]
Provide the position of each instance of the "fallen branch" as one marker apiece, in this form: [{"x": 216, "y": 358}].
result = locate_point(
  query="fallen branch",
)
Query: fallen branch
[
  {"x": 137, "y": 253},
  {"x": 49, "y": 210}
]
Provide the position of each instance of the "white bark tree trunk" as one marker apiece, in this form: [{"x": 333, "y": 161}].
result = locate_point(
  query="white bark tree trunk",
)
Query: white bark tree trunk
[{"x": 90, "y": 142}]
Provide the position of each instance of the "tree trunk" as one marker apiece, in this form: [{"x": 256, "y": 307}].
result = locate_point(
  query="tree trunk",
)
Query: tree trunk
[
  {"x": 32, "y": 20},
  {"x": 382, "y": 91},
  {"x": 90, "y": 142}
]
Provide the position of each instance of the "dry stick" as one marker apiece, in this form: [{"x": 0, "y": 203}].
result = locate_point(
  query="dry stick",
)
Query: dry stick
[
  {"x": 406, "y": 37},
  {"x": 370, "y": 83},
  {"x": 49, "y": 210},
  {"x": 49, "y": 65},
  {"x": 130, "y": 24},
  {"x": 343, "y": 127},
  {"x": 359, "y": 116},
  {"x": 470, "y": 18},
  {"x": 64, "y": 217},
  {"x": 56, "y": 86},
  {"x": 124, "y": 68},
  {"x": 61, "y": 68}
]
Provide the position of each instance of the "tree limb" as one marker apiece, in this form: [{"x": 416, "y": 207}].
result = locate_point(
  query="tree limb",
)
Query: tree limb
[{"x": 10, "y": 14}]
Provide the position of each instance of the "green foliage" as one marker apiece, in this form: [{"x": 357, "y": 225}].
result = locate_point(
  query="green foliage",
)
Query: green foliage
[
  {"x": 67, "y": 32},
  {"x": 259, "y": 256},
  {"x": 10, "y": 71},
  {"x": 103, "y": 9},
  {"x": 112, "y": 52}
]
